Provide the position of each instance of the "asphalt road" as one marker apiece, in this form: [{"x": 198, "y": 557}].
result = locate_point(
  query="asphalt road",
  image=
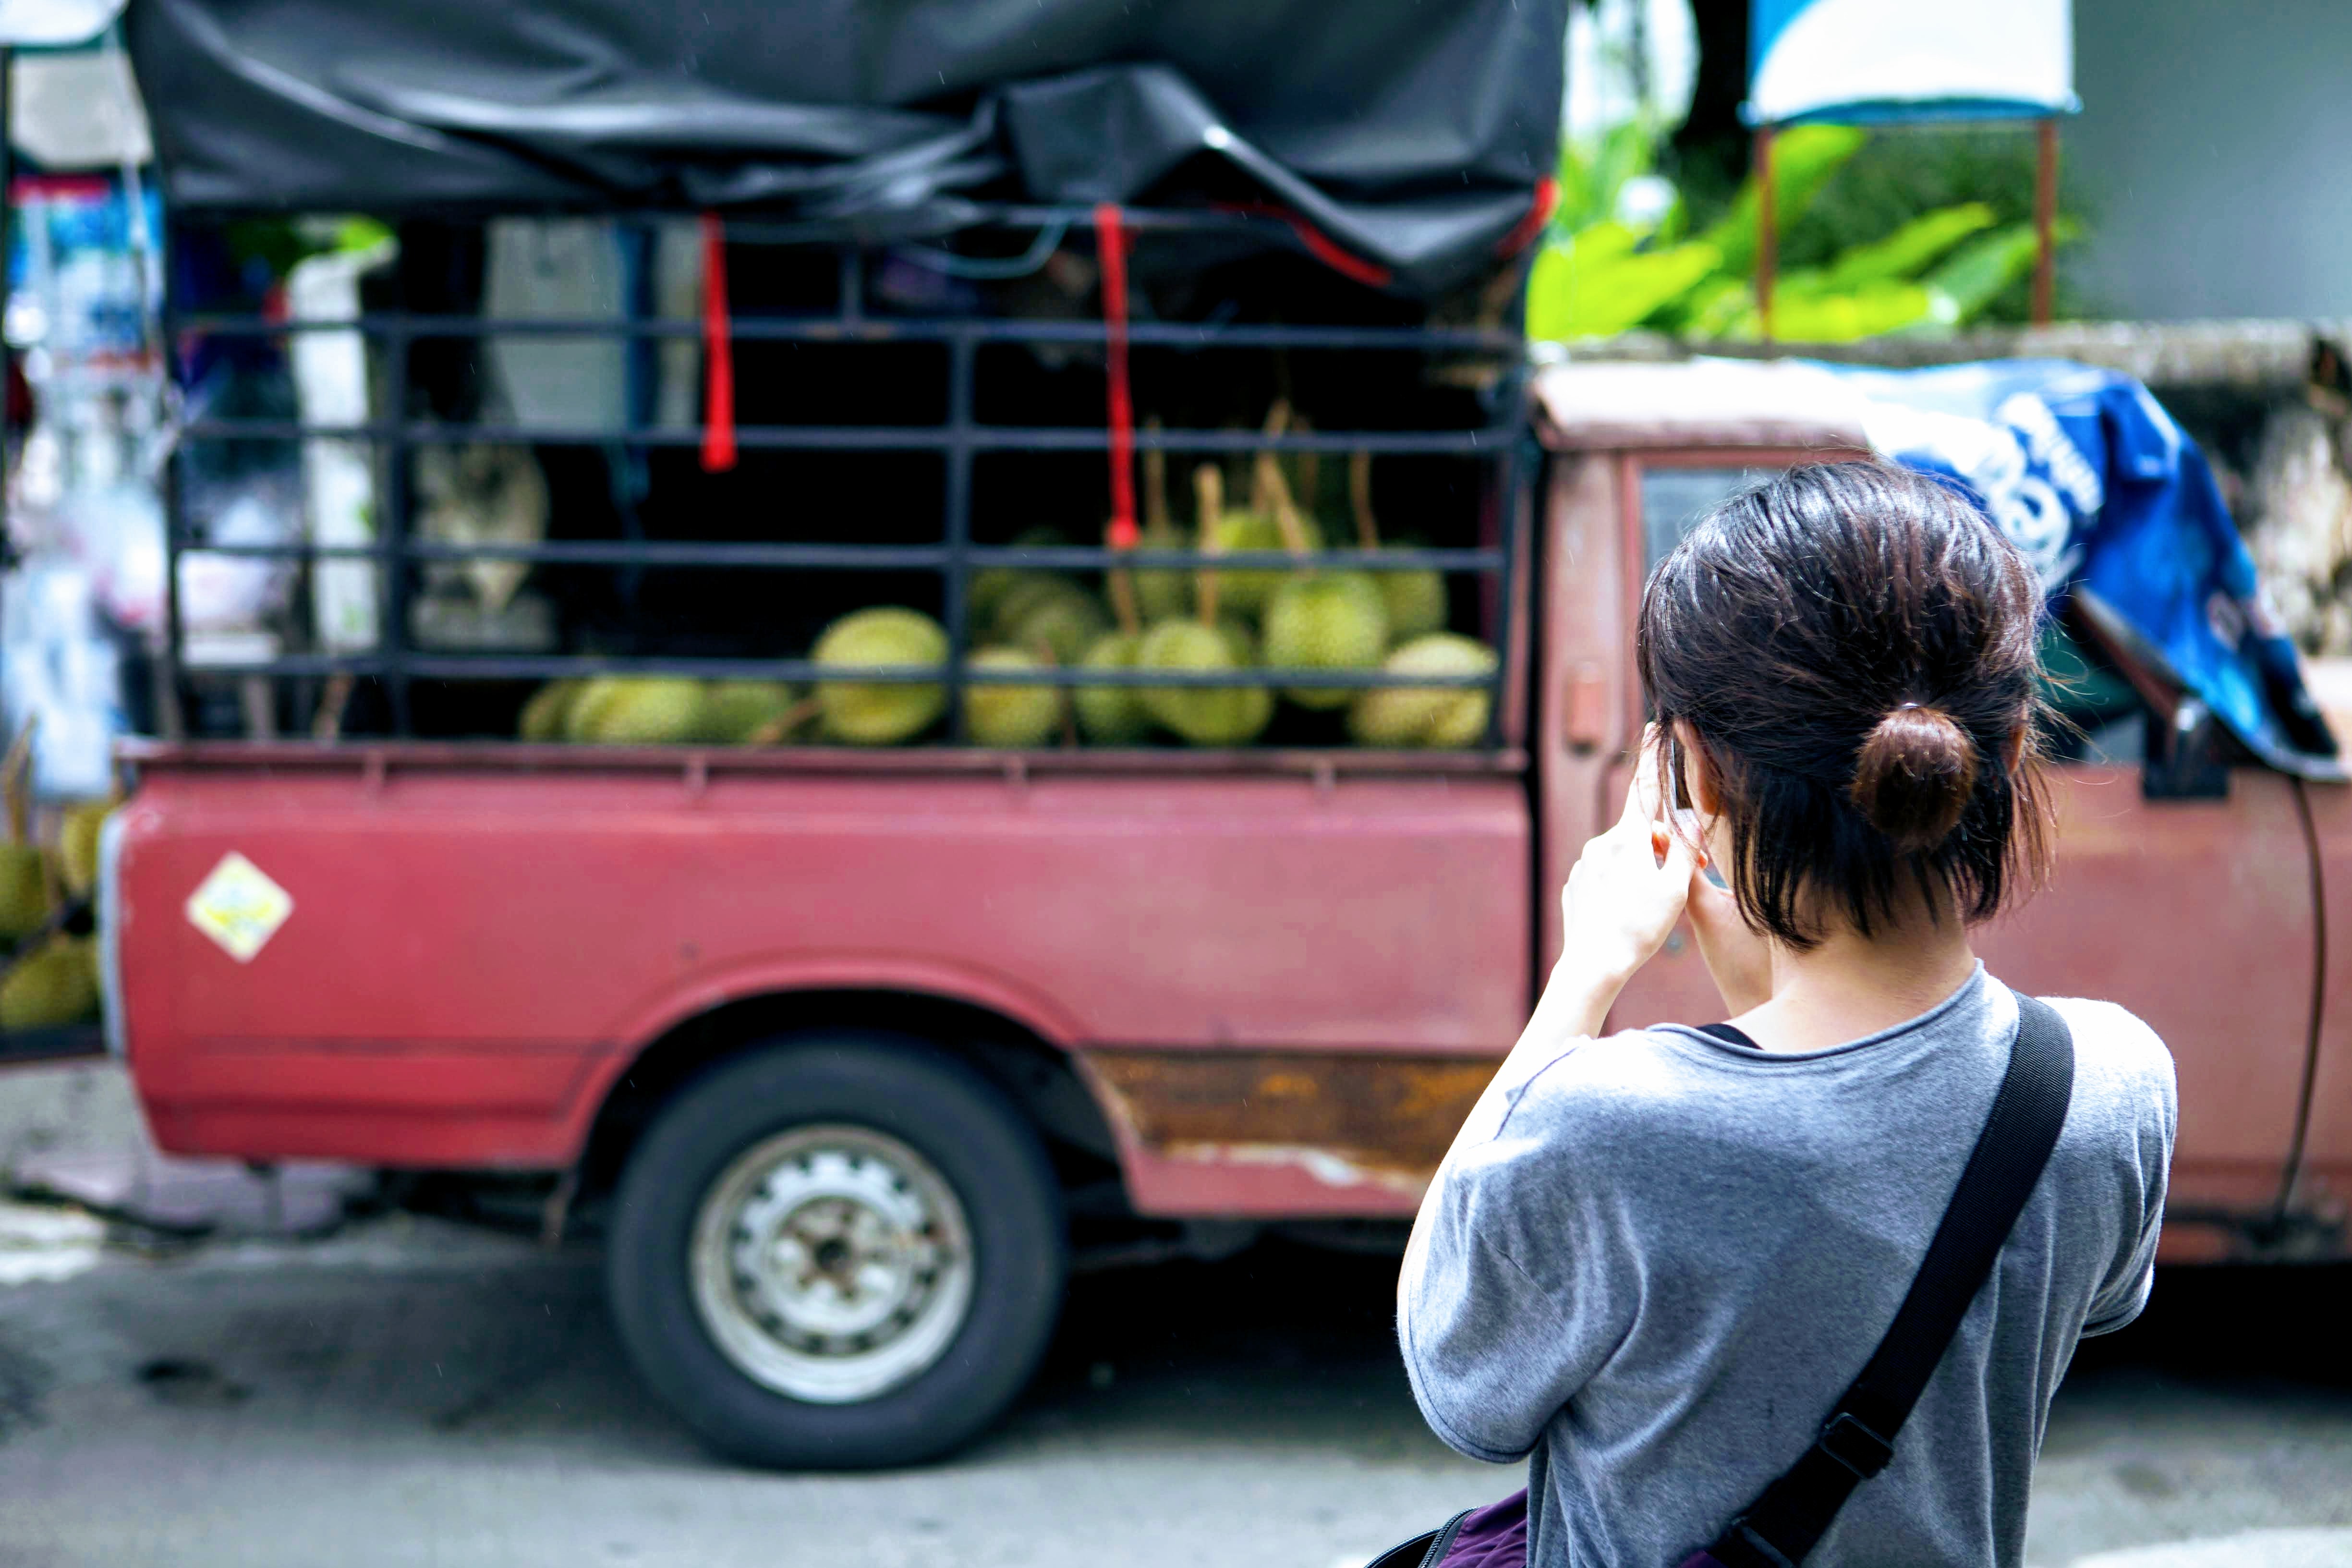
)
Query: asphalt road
[{"x": 410, "y": 1393}]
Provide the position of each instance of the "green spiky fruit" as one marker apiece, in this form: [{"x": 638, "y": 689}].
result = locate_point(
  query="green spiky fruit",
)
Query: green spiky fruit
[
  {"x": 1112, "y": 715},
  {"x": 736, "y": 711},
  {"x": 646, "y": 710},
  {"x": 993, "y": 585},
  {"x": 1416, "y": 603},
  {"x": 54, "y": 986},
  {"x": 1331, "y": 620},
  {"x": 1055, "y": 613},
  {"x": 78, "y": 837},
  {"x": 873, "y": 712},
  {"x": 24, "y": 891},
  {"x": 1164, "y": 595},
  {"x": 1247, "y": 591},
  {"x": 1010, "y": 716},
  {"x": 588, "y": 704},
  {"x": 1203, "y": 716},
  {"x": 1427, "y": 716},
  {"x": 547, "y": 716}
]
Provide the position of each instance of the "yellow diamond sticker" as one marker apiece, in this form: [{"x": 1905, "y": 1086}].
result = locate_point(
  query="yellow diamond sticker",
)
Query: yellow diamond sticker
[{"x": 239, "y": 907}]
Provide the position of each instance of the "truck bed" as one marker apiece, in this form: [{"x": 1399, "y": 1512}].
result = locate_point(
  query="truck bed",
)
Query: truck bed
[{"x": 482, "y": 938}]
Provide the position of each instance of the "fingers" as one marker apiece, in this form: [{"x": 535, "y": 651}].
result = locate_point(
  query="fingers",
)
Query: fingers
[{"x": 1641, "y": 790}]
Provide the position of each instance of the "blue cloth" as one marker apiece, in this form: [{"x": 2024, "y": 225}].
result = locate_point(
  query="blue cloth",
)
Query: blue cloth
[{"x": 2084, "y": 470}]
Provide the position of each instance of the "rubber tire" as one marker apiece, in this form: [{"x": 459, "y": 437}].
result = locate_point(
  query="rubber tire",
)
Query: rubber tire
[{"x": 948, "y": 1113}]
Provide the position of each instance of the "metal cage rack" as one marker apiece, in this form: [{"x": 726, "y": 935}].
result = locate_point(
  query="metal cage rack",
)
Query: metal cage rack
[{"x": 1498, "y": 448}]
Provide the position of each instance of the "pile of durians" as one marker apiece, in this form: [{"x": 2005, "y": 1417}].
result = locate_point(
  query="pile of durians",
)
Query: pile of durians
[
  {"x": 48, "y": 965},
  {"x": 1306, "y": 617}
]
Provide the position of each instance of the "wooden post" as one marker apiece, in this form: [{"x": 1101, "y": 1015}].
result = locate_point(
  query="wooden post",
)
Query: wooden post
[
  {"x": 2045, "y": 220},
  {"x": 1768, "y": 232}
]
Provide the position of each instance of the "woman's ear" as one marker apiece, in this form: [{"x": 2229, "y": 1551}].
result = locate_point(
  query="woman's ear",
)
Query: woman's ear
[
  {"x": 2016, "y": 748},
  {"x": 1698, "y": 770}
]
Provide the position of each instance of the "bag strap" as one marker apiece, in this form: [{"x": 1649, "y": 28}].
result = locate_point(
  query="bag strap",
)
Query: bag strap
[{"x": 1795, "y": 1512}]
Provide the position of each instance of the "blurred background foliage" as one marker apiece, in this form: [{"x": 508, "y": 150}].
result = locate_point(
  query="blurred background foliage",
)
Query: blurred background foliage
[{"x": 1922, "y": 228}]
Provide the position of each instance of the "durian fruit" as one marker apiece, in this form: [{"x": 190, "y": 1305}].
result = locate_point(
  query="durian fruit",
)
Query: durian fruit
[
  {"x": 993, "y": 585},
  {"x": 1202, "y": 716},
  {"x": 1112, "y": 715},
  {"x": 24, "y": 891},
  {"x": 53, "y": 986},
  {"x": 1055, "y": 612},
  {"x": 24, "y": 902},
  {"x": 1010, "y": 716},
  {"x": 737, "y": 712},
  {"x": 1415, "y": 600},
  {"x": 588, "y": 704},
  {"x": 547, "y": 716},
  {"x": 1329, "y": 620},
  {"x": 78, "y": 837},
  {"x": 645, "y": 711},
  {"x": 1397, "y": 717},
  {"x": 1161, "y": 595},
  {"x": 1318, "y": 619},
  {"x": 1247, "y": 591},
  {"x": 880, "y": 713}
]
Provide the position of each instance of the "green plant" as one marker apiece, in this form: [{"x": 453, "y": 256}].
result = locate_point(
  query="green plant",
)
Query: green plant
[{"x": 1930, "y": 270}]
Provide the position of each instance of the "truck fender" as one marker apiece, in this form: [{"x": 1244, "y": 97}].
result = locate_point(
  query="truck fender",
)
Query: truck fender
[{"x": 705, "y": 992}]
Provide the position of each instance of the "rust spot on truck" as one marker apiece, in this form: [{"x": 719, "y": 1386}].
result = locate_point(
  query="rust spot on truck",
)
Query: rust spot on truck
[{"x": 1350, "y": 1120}]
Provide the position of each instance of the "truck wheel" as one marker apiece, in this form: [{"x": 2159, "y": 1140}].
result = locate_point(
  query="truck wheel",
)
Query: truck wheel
[{"x": 837, "y": 1253}]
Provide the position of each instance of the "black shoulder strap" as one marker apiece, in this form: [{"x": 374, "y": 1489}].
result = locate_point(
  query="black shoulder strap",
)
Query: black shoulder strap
[{"x": 1793, "y": 1513}]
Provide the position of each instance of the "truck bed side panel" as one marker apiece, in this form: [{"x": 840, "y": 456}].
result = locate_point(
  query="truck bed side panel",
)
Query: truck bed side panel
[{"x": 472, "y": 955}]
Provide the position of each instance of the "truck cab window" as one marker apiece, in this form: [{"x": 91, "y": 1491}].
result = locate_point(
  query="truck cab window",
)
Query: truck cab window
[{"x": 1673, "y": 499}]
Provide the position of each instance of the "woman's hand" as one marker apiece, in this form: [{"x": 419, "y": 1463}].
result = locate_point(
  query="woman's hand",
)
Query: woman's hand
[{"x": 1629, "y": 886}]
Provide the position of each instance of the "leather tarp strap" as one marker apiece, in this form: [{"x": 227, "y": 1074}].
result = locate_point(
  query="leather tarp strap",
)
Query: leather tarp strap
[{"x": 718, "y": 353}]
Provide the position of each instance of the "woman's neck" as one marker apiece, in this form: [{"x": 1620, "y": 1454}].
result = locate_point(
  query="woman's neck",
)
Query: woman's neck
[{"x": 1851, "y": 985}]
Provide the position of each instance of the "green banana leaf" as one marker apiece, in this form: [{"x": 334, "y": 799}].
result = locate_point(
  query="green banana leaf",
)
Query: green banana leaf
[
  {"x": 1591, "y": 176},
  {"x": 1597, "y": 284},
  {"x": 1974, "y": 277},
  {"x": 1903, "y": 253},
  {"x": 1803, "y": 158}
]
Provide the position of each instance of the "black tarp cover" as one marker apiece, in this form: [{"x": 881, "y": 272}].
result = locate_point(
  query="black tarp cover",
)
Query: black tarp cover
[{"x": 1413, "y": 134}]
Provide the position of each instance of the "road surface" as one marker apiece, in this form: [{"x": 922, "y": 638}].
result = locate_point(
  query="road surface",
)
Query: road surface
[{"x": 409, "y": 1392}]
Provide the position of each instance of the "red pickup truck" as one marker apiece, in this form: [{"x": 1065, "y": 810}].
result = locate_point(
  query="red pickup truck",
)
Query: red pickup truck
[{"x": 858, "y": 1042}]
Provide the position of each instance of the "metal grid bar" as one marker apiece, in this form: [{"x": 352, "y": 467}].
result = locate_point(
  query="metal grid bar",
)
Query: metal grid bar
[
  {"x": 874, "y": 557},
  {"x": 1496, "y": 447},
  {"x": 391, "y": 532},
  {"x": 863, "y": 329},
  {"x": 550, "y": 667},
  {"x": 868, "y": 438},
  {"x": 956, "y": 590}
]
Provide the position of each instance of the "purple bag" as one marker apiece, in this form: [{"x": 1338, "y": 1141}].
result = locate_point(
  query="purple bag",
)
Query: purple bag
[{"x": 1791, "y": 1516}]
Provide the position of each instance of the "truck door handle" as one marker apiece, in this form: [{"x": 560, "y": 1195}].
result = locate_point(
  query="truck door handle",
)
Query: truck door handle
[{"x": 1587, "y": 717}]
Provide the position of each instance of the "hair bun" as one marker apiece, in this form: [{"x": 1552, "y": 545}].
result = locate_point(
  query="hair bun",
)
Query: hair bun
[{"x": 1913, "y": 776}]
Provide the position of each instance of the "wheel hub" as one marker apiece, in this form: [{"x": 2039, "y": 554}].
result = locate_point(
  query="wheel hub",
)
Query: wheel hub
[{"x": 832, "y": 1263}]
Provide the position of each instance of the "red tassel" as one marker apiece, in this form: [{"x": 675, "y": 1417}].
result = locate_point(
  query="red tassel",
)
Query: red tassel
[
  {"x": 1110, "y": 240},
  {"x": 718, "y": 353}
]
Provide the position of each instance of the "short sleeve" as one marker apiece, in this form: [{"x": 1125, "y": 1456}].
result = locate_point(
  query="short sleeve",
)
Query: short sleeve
[
  {"x": 1501, "y": 1326},
  {"x": 2154, "y": 1097}
]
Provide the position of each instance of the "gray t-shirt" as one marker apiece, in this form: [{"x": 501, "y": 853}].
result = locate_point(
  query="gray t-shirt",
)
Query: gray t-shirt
[{"x": 1657, "y": 1270}]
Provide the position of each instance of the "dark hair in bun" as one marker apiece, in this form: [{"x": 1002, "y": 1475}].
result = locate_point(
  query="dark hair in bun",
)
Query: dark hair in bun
[
  {"x": 1914, "y": 775},
  {"x": 1855, "y": 645}
]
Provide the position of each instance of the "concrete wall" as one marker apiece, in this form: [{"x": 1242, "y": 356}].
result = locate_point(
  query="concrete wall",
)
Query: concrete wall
[{"x": 2215, "y": 149}]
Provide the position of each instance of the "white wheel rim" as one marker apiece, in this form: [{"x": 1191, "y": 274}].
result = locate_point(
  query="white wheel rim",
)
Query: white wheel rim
[{"x": 830, "y": 1264}]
